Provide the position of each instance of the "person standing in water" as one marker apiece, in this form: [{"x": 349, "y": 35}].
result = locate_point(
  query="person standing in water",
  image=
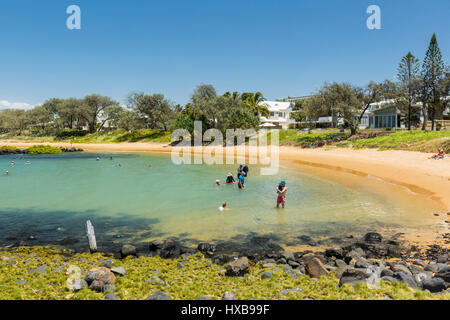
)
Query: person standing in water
[
  {"x": 7, "y": 173},
  {"x": 241, "y": 181},
  {"x": 281, "y": 191},
  {"x": 245, "y": 170}
]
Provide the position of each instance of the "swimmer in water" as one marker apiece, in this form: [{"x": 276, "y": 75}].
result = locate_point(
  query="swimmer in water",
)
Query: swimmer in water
[
  {"x": 28, "y": 163},
  {"x": 217, "y": 183},
  {"x": 110, "y": 158},
  {"x": 119, "y": 165},
  {"x": 12, "y": 164},
  {"x": 98, "y": 159},
  {"x": 149, "y": 166},
  {"x": 223, "y": 207},
  {"x": 7, "y": 173}
]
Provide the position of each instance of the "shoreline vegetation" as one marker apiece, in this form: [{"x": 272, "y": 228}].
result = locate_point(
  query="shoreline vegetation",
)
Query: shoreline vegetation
[
  {"x": 421, "y": 141},
  {"x": 369, "y": 268}
]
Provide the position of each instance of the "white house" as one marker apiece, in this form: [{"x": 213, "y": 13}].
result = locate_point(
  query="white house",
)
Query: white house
[{"x": 279, "y": 115}]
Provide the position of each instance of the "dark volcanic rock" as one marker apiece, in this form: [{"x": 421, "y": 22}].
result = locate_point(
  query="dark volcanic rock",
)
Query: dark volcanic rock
[
  {"x": 111, "y": 296},
  {"x": 373, "y": 237},
  {"x": 165, "y": 248},
  {"x": 444, "y": 274},
  {"x": 338, "y": 253},
  {"x": 206, "y": 247},
  {"x": 353, "y": 276},
  {"x": 434, "y": 285},
  {"x": 160, "y": 295},
  {"x": 409, "y": 280},
  {"x": 238, "y": 267},
  {"x": 127, "y": 250}
]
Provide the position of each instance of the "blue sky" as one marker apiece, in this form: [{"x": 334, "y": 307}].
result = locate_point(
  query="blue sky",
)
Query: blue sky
[{"x": 281, "y": 48}]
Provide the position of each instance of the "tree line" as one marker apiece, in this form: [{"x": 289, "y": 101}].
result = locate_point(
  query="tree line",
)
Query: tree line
[
  {"x": 428, "y": 84},
  {"x": 142, "y": 111}
]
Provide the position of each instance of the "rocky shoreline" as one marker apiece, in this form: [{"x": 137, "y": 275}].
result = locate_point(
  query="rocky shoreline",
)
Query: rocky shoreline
[{"x": 369, "y": 260}]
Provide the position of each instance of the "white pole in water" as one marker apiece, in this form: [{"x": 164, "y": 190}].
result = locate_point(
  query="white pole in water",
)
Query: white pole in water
[{"x": 91, "y": 236}]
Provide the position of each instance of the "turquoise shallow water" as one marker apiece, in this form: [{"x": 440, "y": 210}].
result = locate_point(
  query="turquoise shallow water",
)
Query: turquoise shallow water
[{"x": 52, "y": 198}]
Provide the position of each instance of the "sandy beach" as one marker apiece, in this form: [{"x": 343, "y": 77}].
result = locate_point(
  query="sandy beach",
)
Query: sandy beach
[{"x": 413, "y": 170}]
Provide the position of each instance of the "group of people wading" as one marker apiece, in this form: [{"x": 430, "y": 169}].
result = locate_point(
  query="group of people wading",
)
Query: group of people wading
[{"x": 242, "y": 173}]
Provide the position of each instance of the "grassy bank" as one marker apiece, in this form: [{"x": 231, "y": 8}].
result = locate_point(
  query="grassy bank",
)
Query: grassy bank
[
  {"x": 423, "y": 141},
  {"x": 144, "y": 135},
  {"x": 41, "y": 273}
]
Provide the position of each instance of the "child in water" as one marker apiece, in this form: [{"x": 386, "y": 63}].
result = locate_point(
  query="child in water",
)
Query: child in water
[
  {"x": 281, "y": 191},
  {"x": 217, "y": 183},
  {"x": 223, "y": 207}
]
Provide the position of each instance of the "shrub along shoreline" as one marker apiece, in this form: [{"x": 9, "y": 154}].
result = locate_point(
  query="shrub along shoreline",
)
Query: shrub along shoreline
[{"x": 35, "y": 150}]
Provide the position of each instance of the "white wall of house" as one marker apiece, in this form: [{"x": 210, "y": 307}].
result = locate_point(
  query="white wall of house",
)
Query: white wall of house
[{"x": 279, "y": 114}]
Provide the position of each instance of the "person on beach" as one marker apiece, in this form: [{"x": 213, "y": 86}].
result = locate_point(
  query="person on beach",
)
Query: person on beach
[
  {"x": 245, "y": 170},
  {"x": 230, "y": 179},
  {"x": 217, "y": 183},
  {"x": 281, "y": 191},
  {"x": 223, "y": 207},
  {"x": 439, "y": 155},
  {"x": 241, "y": 181}
]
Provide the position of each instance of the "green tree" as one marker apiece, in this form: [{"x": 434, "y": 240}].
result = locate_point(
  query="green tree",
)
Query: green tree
[
  {"x": 155, "y": 111},
  {"x": 241, "y": 118},
  {"x": 432, "y": 73},
  {"x": 95, "y": 106},
  {"x": 255, "y": 103},
  {"x": 408, "y": 75}
]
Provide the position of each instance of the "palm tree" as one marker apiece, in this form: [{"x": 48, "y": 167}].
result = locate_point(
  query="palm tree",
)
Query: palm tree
[{"x": 253, "y": 102}]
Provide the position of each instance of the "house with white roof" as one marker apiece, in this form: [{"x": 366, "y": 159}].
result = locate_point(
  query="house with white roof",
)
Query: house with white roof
[{"x": 279, "y": 115}]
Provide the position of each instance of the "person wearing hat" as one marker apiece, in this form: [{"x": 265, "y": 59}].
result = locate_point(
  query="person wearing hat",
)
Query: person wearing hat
[
  {"x": 217, "y": 183},
  {"x": 281, "y": 191},
  {"x": 230, "y": 179}
]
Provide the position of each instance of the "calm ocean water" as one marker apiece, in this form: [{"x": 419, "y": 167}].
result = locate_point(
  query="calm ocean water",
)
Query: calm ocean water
[{"x": 53, "y": 197}]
